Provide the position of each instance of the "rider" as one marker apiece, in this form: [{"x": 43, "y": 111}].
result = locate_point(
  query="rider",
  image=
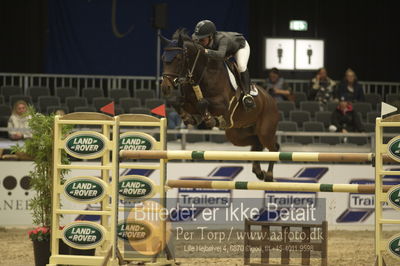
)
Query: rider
[{"x": 221, "y": 44}]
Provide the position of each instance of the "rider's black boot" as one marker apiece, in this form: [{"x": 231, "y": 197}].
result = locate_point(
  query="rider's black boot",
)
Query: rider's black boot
[{"x": 248, "y": 100}]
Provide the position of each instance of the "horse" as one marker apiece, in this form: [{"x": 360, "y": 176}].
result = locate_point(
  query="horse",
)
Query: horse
[{"x": 204, "y": 93}]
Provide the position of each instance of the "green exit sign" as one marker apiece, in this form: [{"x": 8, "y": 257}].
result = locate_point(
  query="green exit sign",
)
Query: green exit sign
[{"x": 298, "y": 25}]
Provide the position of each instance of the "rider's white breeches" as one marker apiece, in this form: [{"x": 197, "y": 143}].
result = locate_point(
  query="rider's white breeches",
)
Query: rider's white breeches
[{"x": 242, "y": 57}]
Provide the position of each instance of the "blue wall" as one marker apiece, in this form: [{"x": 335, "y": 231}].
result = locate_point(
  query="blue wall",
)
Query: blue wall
[{"x": 81, "y": 39}]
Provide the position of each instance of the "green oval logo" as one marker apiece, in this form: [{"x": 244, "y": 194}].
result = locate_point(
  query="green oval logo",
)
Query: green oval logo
[
  {"x": 394, "y": 149},
  {"x": 85, "y": 145},
  {"x": 394, "y": 197},
  {"x": 83, "y": 235},
  {"x": 136, "y": 188},
  {"x": 135, "y": 142},
  {"x": 133, "y": 231},
  {"x": 394, "y": 246},
  {"x": 84, "y": 189}
]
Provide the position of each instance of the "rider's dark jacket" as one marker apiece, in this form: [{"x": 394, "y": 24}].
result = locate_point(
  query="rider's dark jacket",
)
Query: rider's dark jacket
[{"x": 225, "y": 44}]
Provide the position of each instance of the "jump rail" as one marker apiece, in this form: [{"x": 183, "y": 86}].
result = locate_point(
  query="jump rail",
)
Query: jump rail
[
  {"x": 275, "y": 186},
  {"x": 253, "y": 156}
]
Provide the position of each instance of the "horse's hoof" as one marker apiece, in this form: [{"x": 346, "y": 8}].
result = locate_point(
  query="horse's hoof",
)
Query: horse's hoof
[
  {"x": 268, "y": 177},
  {"x": 261, "y": 176}
]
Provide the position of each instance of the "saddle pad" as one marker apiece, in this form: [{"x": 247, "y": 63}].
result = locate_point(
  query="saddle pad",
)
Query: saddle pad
[{"x": 232, "y": 78}]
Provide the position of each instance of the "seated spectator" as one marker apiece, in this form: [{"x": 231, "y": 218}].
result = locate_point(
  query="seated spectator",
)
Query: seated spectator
[
  {"x": 277, "y": 87},
  {"x": 344, "y": 119},
  {"x": 350, "y": 88},
  {"x": 322, "y": 87},
  {"x": 18, "y": 127},
  {"x": 174, "y": 120},
  {"x": 59, "y": 112}
]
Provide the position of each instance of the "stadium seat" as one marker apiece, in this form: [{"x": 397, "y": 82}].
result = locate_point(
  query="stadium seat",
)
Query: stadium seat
[
  {"x": 374, "y": 99},
  {"x": 287, "y": 126},
  {"x": 286, "y": 107},
  {"x": 90, "y": 93},
  {"x": 73, "y": 102},
  {"x": 311, "y": 106},
  {"x": 324, "y": 117},
  {"x": 371, "y": 117},
  {"x": 153, "y": 103},
  {"x": 309, "y": 126},
  {"x": 36, "y": 92},
  {"x": 45, "y": 101},
  {"x": 117, "y": 94},
  {"x": 127, "y": 103},
  {"x": 85, "y": 109},
  {"x": 331, "y": 106},
  {"x": 299, "y": 97},
  {"x": 139, "y": 110},
  {"x": 7, "y": 91},
  {"x": 362, "y": 108},
  {"x": 143, "y": 95},
  {"x": 5, "y": 110},
  {"x": 63, "y": 93},
  {"x": 392, "y": 98},
  {"x": 299, "y": 117}
]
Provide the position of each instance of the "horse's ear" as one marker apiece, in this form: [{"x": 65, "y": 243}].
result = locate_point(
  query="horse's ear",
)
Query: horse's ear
[
  {"x": 164, "y": 41},
  {"x": 180, "y": 41}
]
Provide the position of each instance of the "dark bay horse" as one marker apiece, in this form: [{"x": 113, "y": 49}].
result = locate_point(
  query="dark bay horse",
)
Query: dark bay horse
[{"x": 205, "y": 94}]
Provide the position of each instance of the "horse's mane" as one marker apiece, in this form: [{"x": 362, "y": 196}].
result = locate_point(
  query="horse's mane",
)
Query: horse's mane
[{"x": 183, "y": 32}]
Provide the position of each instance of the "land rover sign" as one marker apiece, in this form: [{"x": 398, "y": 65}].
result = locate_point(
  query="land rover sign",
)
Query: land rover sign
[
  {"x": 136, "y": 188},
  {"x": 393, "y": 197},
  {"x": 85, "y": 189},
  {"x": 83, "y": 235},
  {"x": 85, "y": 144},
  {"x": 393, "y": 246},
  {"x": 135, "y": 141},
  {"x": 394, "y": 148},
  {"x": 134, "y": 230}
]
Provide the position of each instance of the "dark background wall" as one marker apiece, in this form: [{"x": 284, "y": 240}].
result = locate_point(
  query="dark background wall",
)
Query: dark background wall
[
  {"x": 360, "y": 34},
  {"x": 76, "y": 36}
]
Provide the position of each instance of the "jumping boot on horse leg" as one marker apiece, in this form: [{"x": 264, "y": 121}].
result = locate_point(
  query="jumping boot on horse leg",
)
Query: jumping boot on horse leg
[{"x": 248, "y": 100}]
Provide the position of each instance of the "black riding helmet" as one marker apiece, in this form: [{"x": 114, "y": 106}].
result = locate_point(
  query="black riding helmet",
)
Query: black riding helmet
[{"x": 204, "y": 29}]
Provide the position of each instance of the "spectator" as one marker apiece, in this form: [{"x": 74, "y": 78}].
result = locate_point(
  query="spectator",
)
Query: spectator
[
  {"x": 174, "y": 120},
  {"x": 322, "y": 87},
  {"x": 350, "y": 88},
  {"x": 277, "y": 87},
  {"x": 18, "y": 122},
  {"x": 344, "y": 119}
]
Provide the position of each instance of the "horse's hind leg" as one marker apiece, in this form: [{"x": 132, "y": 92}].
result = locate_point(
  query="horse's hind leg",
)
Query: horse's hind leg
[
  {"x": 261, "y": 174},
  {"x": 269, "y": 175}
]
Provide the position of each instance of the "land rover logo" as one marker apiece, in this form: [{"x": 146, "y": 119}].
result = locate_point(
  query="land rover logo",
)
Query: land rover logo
[
  {"x": 133, "y": 230},
  {"x": 83, "y": 235},
  {"x": 394, "y": 246},
  {"x": 85, "y": 189},
  {"x": 85, "y": 144},
  {"x": 136, "y": 188},
  {"x": 136, "y": 141},
  {"x": 394, "y": 148},
  {"x": 394, "y": 197}
]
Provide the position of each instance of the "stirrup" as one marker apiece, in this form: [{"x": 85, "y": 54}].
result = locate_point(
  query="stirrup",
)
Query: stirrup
[{"x": 248, "y": 102}]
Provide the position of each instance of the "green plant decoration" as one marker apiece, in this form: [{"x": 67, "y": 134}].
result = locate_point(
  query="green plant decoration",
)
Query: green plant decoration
[{"x": 40, "y": 149}]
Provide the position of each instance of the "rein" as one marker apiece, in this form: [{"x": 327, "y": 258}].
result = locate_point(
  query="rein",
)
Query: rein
[{"x": 177, "y": 78}]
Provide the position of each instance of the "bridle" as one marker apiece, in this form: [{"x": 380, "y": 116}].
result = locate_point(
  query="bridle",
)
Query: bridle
[{"x": 185, "y": 73}]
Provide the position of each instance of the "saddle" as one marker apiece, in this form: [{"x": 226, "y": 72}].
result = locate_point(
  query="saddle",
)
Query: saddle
[{"x": 234, "y": 76}]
